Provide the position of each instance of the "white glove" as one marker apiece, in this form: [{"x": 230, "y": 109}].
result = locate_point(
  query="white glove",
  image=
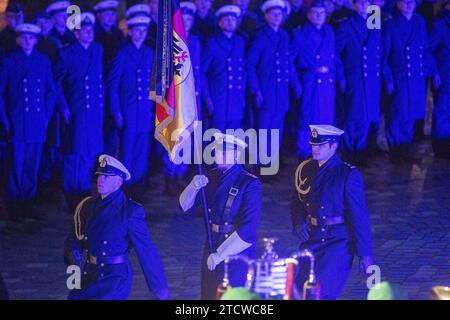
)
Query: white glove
[
  {"x": 199, "y": 181},
  {"x": 187, "y": 197},
  {"x": 233, "y": 245},
  {"x": 213, "y": 260}
]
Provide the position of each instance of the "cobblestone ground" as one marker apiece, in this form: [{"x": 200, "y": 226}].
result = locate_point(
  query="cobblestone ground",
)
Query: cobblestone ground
[{"x": 409, "y": 207}]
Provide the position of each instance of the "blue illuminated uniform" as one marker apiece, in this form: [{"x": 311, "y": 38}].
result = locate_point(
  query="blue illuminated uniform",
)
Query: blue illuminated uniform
[
  {"x": 81, "y": 91},
  {"x": 109, "y": 228},
  {"x": 359, "y": 50},
  {"x": 314, "y": 59},
  {"x": 27, "y": 101},
  {"x": 128, "y": 86},
  {"x": 406, "y": 65},
  {"x": 223, "y": 62},
  {"x": 332, "y": 196},
  {"x": 271, "y": 72},
  {"x": 243, "y": 217},
  {"x": 111, "y": 41}
]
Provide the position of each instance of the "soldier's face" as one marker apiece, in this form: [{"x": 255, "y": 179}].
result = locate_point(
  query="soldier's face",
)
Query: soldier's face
[
  {"x": 323, "y": 152},
  {"x": 317, "y": 16},
  {"x": 138, "y": 34},
  {"x": 406, "y": 7},
  {"x": 27, "y": 41},
  {"x": 60, "y": 18},
  {"x": 107, "y": 18},
  {"x": 46, "y": 26},
  {"x": 188, "y": 21},
  {"x": 228, "y": 23},
  {"x": 85, "y": 34},
  {"x": 274, "y": 17},
  {"x": 225, "y": 158},
  {"x": 108, "y": 184}
]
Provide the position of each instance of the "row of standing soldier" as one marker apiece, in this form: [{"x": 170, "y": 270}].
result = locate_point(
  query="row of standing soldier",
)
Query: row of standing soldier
[{"x": 100, "y": 91}]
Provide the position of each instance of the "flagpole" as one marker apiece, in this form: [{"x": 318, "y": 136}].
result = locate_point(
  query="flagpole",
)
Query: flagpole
[
  {"x": 162, "y": 83},
  {"x": 203, "y": 199}
]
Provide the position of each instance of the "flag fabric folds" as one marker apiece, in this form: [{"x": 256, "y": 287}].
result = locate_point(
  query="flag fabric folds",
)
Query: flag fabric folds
[{"x": 172, "y": 86}]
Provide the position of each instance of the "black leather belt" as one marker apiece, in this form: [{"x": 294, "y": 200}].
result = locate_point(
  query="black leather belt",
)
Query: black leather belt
[
  {"x": 325, "y": 221},
  {"x": 107, "y": 260},
  {"x": 222, "y": 228}
]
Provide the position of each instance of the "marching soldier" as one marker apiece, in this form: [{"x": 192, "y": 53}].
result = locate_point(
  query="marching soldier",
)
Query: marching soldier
[
  {"x": 27, "y": 100},
  {"x": 329, "y": 213},
  {"x": 128, "y": 85},
  {"x": 79, "y": 76},
  {"x": 359, "y": 49},
  {"x": 107, "y": 226},
  {"x": 58, "y": 11},
  {"x": 112, "y": 39},
  {"x": 407, "y": 63},
  {"x": 440, "y": 45},
  {"x": 235, "y": 202},
  {"x": 314, "y": 58},
  {"x": 223, "y": 62},
  {"x": 270, "y": 70},
  {"x": 13, "y": 18}
]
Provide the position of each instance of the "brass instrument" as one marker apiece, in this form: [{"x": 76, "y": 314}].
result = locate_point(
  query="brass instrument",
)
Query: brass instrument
[{"x": 272, "y": 277}]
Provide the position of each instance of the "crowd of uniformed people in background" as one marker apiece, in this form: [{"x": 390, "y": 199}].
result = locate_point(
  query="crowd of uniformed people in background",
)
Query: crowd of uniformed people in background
[{"x": 67, "y": 96}]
